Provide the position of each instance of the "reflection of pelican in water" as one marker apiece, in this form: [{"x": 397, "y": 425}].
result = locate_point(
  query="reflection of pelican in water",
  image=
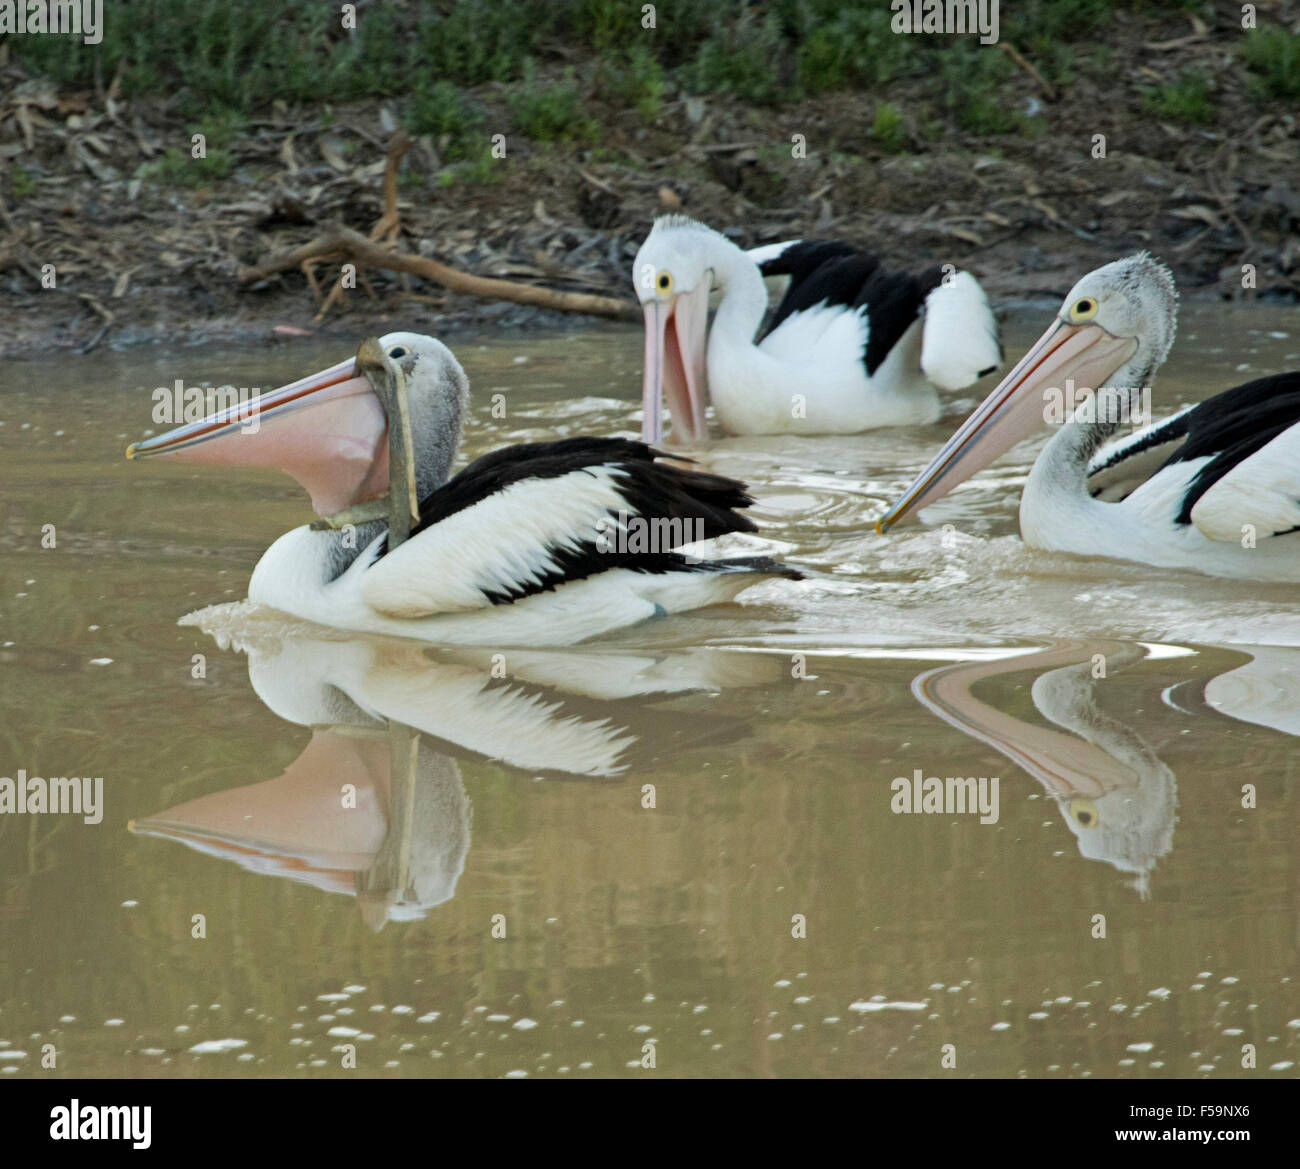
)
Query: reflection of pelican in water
[
  {"x": 534, "y": 709},
  {"x": 1118, "y": 799},
  {"x": 372, "y": 812},
  {"x": 1264, "y": 691},
  {"x": 372, "y": 806}
]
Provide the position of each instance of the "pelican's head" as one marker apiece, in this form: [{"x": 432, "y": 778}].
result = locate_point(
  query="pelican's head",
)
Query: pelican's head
[
  {"x": 1133, "y": 299},
  {"x": 673, "y": 275},
  {"x": 374, "y": 427},
  {"x": 1113, "y": 331}
]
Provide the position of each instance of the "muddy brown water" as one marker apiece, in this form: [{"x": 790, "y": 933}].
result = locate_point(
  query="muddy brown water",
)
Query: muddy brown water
[{"x": 499, "y": 899}]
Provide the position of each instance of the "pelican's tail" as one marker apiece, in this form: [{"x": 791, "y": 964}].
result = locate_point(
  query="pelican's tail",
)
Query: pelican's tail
[{"x": 959, "y": 342}]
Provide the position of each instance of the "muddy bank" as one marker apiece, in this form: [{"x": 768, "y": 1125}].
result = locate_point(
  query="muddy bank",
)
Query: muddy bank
[{"x": 147, "y": 243}]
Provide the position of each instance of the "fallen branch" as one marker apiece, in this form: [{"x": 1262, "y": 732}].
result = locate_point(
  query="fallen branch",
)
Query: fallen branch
[
  {"x": 390, "y": 221},
  {"x": 385, "y": 230},
  {"x": 108, "y": 316},
  {"x": 1048, "y": 89},
  {"x": 344, "y": 243}
]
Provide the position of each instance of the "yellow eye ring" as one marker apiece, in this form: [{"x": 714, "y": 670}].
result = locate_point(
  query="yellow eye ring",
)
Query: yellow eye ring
[
  {"x": 664, "y": 282},
  {"x": 1083, "y": 309},
  {"x": 1084, "y": 813}
]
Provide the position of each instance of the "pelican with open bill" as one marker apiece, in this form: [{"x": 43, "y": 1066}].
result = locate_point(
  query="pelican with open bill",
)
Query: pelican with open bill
[
  {"x": 849, "y": 347},
  {"x": 521, "y": 547},
  {"x": 1214, "y": 488}
]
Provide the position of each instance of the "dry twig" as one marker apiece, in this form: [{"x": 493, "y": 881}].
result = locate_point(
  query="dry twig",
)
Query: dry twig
[
  {"x": 1049, "y": 90},
  {"x": 343, "y": 242}
]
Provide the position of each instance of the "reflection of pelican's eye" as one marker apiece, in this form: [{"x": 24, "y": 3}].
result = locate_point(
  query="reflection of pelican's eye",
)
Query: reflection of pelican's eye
[
  {"x": 1084, "y": 309},
  {"x": 397, "y": 351},
  {"x": 664, "y": 282},
  {"x": 1084, "y": 813}
]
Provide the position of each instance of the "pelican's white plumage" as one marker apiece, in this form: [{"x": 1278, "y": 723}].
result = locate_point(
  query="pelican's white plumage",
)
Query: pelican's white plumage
[
  {"x": 850, "y": 347},
  {"x": 1215, "y": 488},
  {"x": 528, "y": 545},
  {"x": 958, "y": 342},
  {"x": 1261, "y": 493},
  {"x": 292, "y": 577},
  {"x": 460, "y": 563}
]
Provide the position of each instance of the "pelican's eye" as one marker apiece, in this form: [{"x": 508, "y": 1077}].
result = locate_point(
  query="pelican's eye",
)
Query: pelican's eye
[
  {"x": 1083, "y": 309},
  {"x": 396, "y": 351},
  {"x": 664, "y": 282},
  {"x": 1084, "y": 813}
]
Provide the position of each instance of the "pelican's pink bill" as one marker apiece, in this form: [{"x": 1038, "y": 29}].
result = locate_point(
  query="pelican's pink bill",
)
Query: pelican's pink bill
[
  {"x": 1084, "y": 354},
  {"x": 327, "y": 430},
  {"x": 675, "y": 366}
]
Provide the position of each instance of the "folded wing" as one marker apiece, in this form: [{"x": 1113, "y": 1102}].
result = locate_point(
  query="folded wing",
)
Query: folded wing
[
  {"x": 959, "y": 340},
  {"x": 527, "y": 518},
  {"x": 1247, "y": 440}
]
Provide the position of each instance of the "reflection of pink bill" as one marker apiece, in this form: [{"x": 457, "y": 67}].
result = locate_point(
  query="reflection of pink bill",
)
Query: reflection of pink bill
[{"x": 296, "y": 825}]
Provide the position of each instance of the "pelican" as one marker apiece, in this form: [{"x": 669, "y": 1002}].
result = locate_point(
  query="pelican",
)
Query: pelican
[
  {"x": 1214, "y": 488},
  {"x": 850, "y": 347},
  {"x": 534, "y": 544}
]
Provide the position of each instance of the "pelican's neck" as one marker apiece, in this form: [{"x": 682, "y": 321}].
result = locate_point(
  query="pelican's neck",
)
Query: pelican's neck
[
  {"x": 744, "y": 295},
  {"x": 437, "y": 419},
  {"x": 1063, "y": 465},
  {"x": 338, "y": 549},
  {"x": 437, "y": 403}
]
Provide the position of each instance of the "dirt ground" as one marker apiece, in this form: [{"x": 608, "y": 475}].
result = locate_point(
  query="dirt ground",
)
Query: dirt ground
[{"x": 139, "y": 257}]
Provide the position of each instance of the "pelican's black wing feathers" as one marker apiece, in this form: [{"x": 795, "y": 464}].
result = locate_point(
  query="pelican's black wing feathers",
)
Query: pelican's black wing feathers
[
  {"x": 826, "y": 272},
  {"x": 527, "y": 518}
]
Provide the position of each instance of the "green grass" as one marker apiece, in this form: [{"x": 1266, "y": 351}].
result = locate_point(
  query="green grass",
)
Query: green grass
[
  {"x": 1054, "y": 20},
  {"x": 233, "y": 53},
  {"x": 1185, "y": 100},
  {"x": 220, "y": 128},
  {"x": 242, "y": 55},
  {"x": 175, "y": 168},
  {"x": 1099, "y": 62},
  {"x": 22, "y": 184},
  {"x": 887, "y": 129},
  {"x": 551, "y": 113},
  {"x": 488, "y": 40},
  {"x": 477, "y": 171},
  {"x": 855, "y": 48},
  {"x": 1273, "y": 57},
  {"x": 635, "y": 79},
  {"x": 745, "y": 61},
  {"x": 982, "y": 115},
  {"x": 1055, "y": 60},
  {"x": 443, "y": 112},
  {"x": 972, "y": 78}
]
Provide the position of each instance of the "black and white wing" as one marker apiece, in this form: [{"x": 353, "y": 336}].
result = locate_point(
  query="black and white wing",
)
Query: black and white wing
[
  {"x": 1240, "y": 450},
  {"x": 959, "y": 340},
  {"x": 527, "y": 518},
  {"x": 1249, "y": 438},
  {"x": 776, "y": 282},
  {"x": 1120, "y": 467}
]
